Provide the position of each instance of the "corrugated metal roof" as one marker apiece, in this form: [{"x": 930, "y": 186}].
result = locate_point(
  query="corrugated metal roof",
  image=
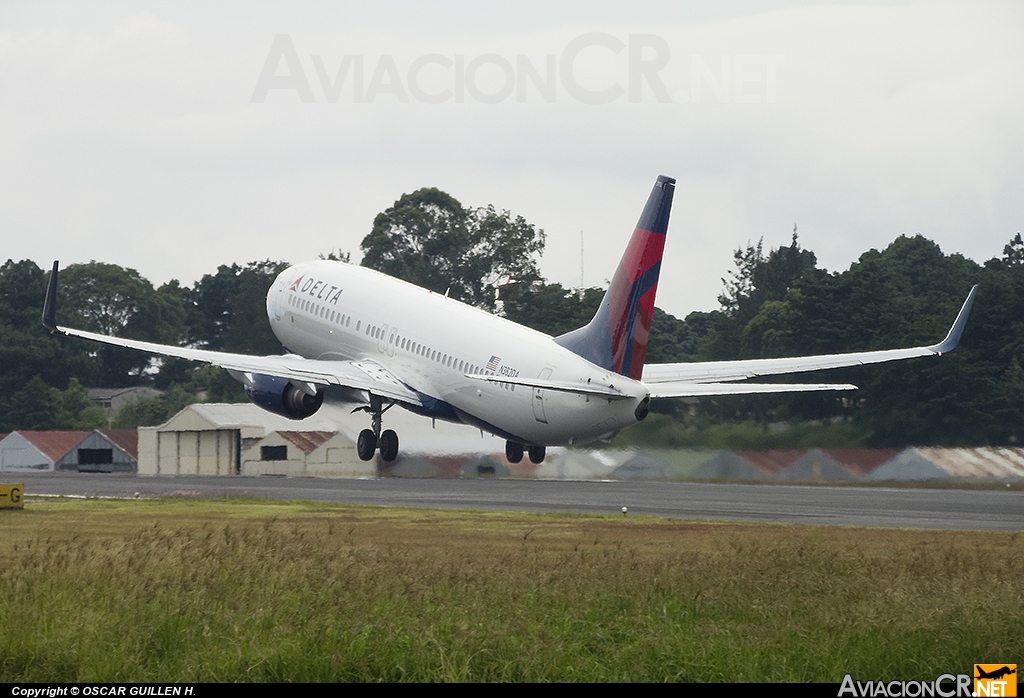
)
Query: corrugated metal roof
[
  {"x": 816, "y": 465},
  {"x": 308, "y": 441},
  {"x": 233, "y": 416},
  {"x": 108, "y": 393},
  {"x": 53, "y": 444},
  {"x": 861, "y": 461},
  {"x": 977, "y": 462},
  {"x": 126, "y": 439},
  {"x": 772, "y": 461}
]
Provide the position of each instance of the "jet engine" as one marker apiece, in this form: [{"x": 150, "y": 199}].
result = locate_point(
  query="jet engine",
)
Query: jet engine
[
  {"x": 279, "y": 396},
  {"x": 643, "y": 409}
]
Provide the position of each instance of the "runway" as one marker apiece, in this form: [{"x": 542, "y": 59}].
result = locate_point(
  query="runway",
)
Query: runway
[{"x": 822, "y": 505}]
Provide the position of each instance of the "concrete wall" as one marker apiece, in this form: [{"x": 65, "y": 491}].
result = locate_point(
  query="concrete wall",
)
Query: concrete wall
[
  {"x": 336, "y": 457},
  {"x": 206, "y": 452}
]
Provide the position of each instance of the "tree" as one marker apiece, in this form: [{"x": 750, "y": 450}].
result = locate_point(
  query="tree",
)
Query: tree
[
  {"x": 74, "y": 410},
  {"x": 429, "y": 239},
  {"x": 1013, "y": 252},
  {"x": 30, "y": 408},
  {"x": 229, "y": 309},
  {"x": 25, "y": 349},
  {"x": 757, "y": 279},
  {"x": 154, "y": 411},
  {"x": 550, "y": 308},
  {"x": 112, "y": 300},
  {"x": 507, "y": 248}
]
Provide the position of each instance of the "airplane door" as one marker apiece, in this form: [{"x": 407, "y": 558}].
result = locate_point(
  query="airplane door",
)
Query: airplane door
[
  {"x": 382, "y": 341},
  {"x": 538, "y": 399},
  {"x": 391, "y": 335}
]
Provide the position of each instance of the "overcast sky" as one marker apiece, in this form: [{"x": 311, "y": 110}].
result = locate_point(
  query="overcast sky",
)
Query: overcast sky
[{"x": 175, "y": 137}]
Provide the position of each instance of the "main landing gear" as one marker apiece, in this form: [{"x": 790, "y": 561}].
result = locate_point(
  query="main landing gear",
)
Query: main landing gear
[
  {"x": 369, "y": 440},
  {"x": 514, "y": 452}
]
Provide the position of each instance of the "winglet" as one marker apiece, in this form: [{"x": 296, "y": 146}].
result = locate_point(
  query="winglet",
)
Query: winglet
[
  {"x": 953, "y": 338},
  {"x": 50, "y": 304}
]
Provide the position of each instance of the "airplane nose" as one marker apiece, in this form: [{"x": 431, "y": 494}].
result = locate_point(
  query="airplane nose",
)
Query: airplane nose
[{"x": 275, "y": 300}]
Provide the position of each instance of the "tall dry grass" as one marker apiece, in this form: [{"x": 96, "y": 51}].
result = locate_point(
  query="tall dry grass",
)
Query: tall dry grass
[{"x": 246, "y": 591}]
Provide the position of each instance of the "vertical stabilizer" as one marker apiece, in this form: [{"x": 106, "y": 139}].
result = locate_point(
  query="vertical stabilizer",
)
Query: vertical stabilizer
[{"x": 616, "y": 338}]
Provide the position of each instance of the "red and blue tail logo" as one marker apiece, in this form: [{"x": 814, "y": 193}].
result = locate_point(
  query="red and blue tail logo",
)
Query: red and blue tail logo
[{"x": 616, "y": 339}]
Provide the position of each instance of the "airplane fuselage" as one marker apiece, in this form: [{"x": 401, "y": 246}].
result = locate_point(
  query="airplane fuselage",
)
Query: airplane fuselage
[{"x": 335, "y": 311}]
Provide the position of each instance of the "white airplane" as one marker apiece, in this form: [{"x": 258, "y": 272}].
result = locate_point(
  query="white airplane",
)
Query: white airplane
[{"x": 380, "y": 342}]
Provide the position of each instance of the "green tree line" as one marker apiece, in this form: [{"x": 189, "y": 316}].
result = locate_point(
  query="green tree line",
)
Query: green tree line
[{"x": 774, "y": 303}]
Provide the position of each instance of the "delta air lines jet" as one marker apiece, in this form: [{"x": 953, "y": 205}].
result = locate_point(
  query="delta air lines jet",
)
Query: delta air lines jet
[{"x": 379, "y": 342}]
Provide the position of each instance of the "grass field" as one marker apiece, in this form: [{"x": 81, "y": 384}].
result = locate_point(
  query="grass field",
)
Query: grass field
[{"x": 241, "y": 590}]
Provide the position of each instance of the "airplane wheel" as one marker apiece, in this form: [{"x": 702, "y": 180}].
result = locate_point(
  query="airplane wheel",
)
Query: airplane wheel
[
  {"x": 513, "y": 451},
  {"x": 389, "y": 446},
  {"x": 366, "y": 444},
  {"x": 537, "y": 454}
]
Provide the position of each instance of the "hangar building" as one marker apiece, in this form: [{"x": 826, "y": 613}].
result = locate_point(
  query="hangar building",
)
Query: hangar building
[{"x": 101, "y": 450}]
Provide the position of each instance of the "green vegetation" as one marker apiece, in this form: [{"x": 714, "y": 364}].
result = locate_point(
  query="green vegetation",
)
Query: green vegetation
[
  {"x": 41, "y": 384},
  {"x": 774, "y": 303},
  {"x": 666, "y": 432},
  {"x": 189, "y": 590},
  {"x": 429, "y": 239}
]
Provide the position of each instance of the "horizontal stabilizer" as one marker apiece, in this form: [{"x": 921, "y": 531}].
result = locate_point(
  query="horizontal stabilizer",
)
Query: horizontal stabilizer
[
  {"x": 592, "y": 389},
  {"x": 680, "y": 389}
]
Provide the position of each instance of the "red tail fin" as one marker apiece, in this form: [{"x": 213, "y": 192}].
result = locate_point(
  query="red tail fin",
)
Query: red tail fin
[{"x": 617, "y": 337}]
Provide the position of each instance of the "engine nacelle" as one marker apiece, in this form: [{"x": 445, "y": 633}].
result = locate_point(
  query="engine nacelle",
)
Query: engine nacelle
[
  {"x": 279, "y": 396},
  {"x": 643, "y": 409}
]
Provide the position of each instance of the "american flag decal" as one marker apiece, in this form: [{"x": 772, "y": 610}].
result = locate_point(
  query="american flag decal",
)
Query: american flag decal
[{"x": 492, "y": 365}]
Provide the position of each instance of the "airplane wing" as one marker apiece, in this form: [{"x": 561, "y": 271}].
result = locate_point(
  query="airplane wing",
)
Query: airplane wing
[
  {"x": 667, "y": 380},
  {"x": 303, "y": 373}
]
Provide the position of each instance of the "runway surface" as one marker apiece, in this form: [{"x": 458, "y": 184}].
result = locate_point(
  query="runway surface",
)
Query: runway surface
[{"x": 833, "y": 506}]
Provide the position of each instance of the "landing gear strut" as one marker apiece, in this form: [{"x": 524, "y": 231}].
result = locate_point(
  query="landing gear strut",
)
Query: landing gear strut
[{"x": 369, "y": 440}]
